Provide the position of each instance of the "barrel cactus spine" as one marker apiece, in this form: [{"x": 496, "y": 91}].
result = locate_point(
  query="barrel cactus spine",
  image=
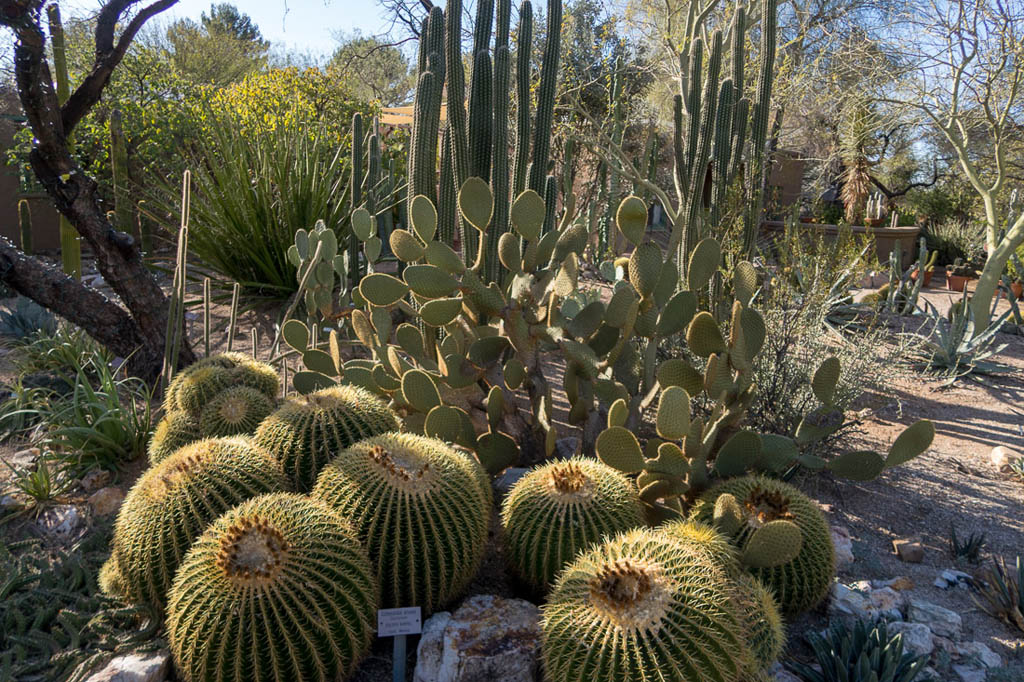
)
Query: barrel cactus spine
[
  {"x": 639, "y": 603},
  {"x": 278, "y": 588},
  {"x": 234, "y": 411},
  {"x": 307, "y": 431},
  {"x": 175, "y": 430},
  {"x": 174, "y": 502},
  {"x": 799, "y": 583},
  {"x": 421, "y": 508},
  {"x": 192, "y": 387},
  {"x": 766, "y": 632},
  {"x": 561, "y": 508}
]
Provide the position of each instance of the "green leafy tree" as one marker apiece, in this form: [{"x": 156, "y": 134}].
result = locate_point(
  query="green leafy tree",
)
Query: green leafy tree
[
  {"x": 375, "y": 70},
  {"x": 221, "y": 48}
]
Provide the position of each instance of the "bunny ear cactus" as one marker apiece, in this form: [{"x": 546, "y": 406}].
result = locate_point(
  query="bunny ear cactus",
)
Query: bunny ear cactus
[
  {"x": 559, "y": 509},
  {"x": 781, "y": 534}
]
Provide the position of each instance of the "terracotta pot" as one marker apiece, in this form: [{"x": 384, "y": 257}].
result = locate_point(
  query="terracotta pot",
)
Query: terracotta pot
[
  {"x": 874, "y": 222},
  {"x": 927, "y": 277},
  {"x": 1018, "y": 289},
  {"x": 956, "y": 282}
]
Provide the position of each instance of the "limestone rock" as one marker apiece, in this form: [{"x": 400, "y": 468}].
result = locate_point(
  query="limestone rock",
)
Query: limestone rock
[
  {"x": 508, "y": 478},
  {"x": 487, "y": 638},
  {"x": 843, "y": 546},
  {"x": 860, "y": 600},
  {"x": 942, "y": 622},
  {"x": 61, "y": 520},
  {"x": 94, "y": 480},
  {"x": 106, "y": 501},
  {"x": 1001, "y": 456},
  {"x": 909, "y": 550},
  {"x": 151, "y": 667},
  {"x": 968, "y": 673},
  {"x": 976, "y": 652},
  {"x": 917, "y": 637}
]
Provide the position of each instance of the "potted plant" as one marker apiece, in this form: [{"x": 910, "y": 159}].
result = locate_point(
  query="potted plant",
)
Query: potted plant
[
  {"x": 957, "y": 275},
  {"x": 874, "y": 212},
  {"x": 929, "y": 269},
  {"x": 1016, "y": 277}
]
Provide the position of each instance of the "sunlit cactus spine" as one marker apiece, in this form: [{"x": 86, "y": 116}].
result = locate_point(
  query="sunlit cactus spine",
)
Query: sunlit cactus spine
[
  {"x": 193, "y": 387},
  {"x": 421, "y": 508},
  {"x": 175, "y": 430},
  {"x": 235, "y": 411},
  {"x": 766, "y": 631},
  {"x": 307, "y": 431},
  {"x": 561, "y": 508},
  {"x": 639, "y": 605},
  {"x": 278, "y": 588},
  {"x": 174, "y": 502},
  {"x": 757, "y": 504},
  {"x": 110, "y": 580}
]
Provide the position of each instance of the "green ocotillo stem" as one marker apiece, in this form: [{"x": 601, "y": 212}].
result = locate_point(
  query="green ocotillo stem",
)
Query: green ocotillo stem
[
  {"x": 120, "y": 172},
  {"x": 522, "y": 152},
  {"x": 546, "y": 98},
  {"x": 70, "y": 240},
  {"x": 145, "y": 227},
  {"x": 25, "y": 222},
  {"x": 206, "y": 316},
  {"x": 606, "y": 235}
]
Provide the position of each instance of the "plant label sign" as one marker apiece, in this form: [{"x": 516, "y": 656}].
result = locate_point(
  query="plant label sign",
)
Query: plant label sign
[{"x": 395, "y": 622}]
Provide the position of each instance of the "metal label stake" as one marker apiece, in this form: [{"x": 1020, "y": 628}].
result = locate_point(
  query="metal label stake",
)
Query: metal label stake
[{"x": 398, "y": 623}]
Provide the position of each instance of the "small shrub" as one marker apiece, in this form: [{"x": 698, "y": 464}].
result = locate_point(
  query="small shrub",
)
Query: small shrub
[
  {"x": 63, "y": 352},
  {"x": 967, "y": 549},
  {"x": 863, "y": 653}
]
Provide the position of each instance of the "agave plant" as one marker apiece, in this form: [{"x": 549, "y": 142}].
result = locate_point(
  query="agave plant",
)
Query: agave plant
[
  {"x": 1004, "y": 593},
  {"x": 953, "y": 350},
  {"x": 859, "y": 654}
]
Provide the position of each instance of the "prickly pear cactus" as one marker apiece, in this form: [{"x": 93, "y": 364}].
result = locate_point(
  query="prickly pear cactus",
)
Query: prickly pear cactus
[
  {"x": 760, "y": 518},
  {"x": 307, "y": 431},
  {"x": 278, "y": 588},
  {"x": 421, "y": 508},
  {"x": 172, "y": 504},
  {"x": 642, "y": 605},
  {"x": 561, "y": 508}
]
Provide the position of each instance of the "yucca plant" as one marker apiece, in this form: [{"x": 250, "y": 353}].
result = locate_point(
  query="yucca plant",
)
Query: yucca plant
[
  {"x": 253, "y": 191},
  {"x": 1003, "y": 593},
  {"x": 863, "y": 653}
]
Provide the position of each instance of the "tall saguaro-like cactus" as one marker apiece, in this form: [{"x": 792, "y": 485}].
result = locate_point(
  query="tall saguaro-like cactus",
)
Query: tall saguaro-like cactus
[
  {"x": 70, "y": 240},
  {"x": 711, "y": 132},
  {"x": 477, "y": 141}
]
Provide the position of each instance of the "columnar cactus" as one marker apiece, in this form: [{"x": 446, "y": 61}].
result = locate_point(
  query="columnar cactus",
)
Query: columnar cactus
[
  {"x": 307, "y": 431},
  {"x": 278, "y": 588},
  {"x": 643, "y": 606},
  {"x": 561, "y": 508},
  {"x": 174, "y": 502},
  {"x": 421, "y": 508},
  {"x": 745, "y": 508}
]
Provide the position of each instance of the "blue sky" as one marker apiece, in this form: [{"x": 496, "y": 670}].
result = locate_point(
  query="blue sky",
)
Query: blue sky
[{"x": 306, "y": 25}]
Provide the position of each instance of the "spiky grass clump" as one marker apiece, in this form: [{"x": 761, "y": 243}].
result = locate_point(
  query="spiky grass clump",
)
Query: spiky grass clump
[
  {"x": 174, "y": 502},
  {"x": 234, "y": 411},
  {"x": 307, "y": 431},
  {"x": 193, "y": 387},
  {"x": 799, "y": 584},
  {"x": 421, "y": 509},
  {"x": 643, "y": 606},
  {"x": 176, "y": 429},
  {"x": 558, "y": 509},
  {"x": 278, "y": 588}
]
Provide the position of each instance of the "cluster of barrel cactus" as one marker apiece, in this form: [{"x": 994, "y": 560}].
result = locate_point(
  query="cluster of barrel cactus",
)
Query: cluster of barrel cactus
[{"x": 227, "y": 394}]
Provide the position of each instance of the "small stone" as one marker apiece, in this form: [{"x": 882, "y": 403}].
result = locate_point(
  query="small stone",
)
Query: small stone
[
  {"x": 60, "y": 520},
  {"x": 486, "y": 638},
  {"x": 917, "y": 637},
  {"x": 843, "y": 546},
  {"x": 94, "y": 480},
  {"x": 508, "y": 478},
  {"x": 106, "y": 501},
  {"x": 976, "y": 651},
  {"x": 152, "y": 667},
  {"x": 909, "y": 550},
  {"x": 887, "y": 602},
  {"x": 22, "y": 460},
  {"x": 968, "y": 673},
  {"x": 942, "y": 622},
  {"x": 847, "y": 603},
  {"x": 1001, "y": 456},
  {"x": 777, "y": 673},
  {"x": 900, "y": 584},
  {"x": 567, "y": 448},
  {"x": 10, "y": 503}
]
